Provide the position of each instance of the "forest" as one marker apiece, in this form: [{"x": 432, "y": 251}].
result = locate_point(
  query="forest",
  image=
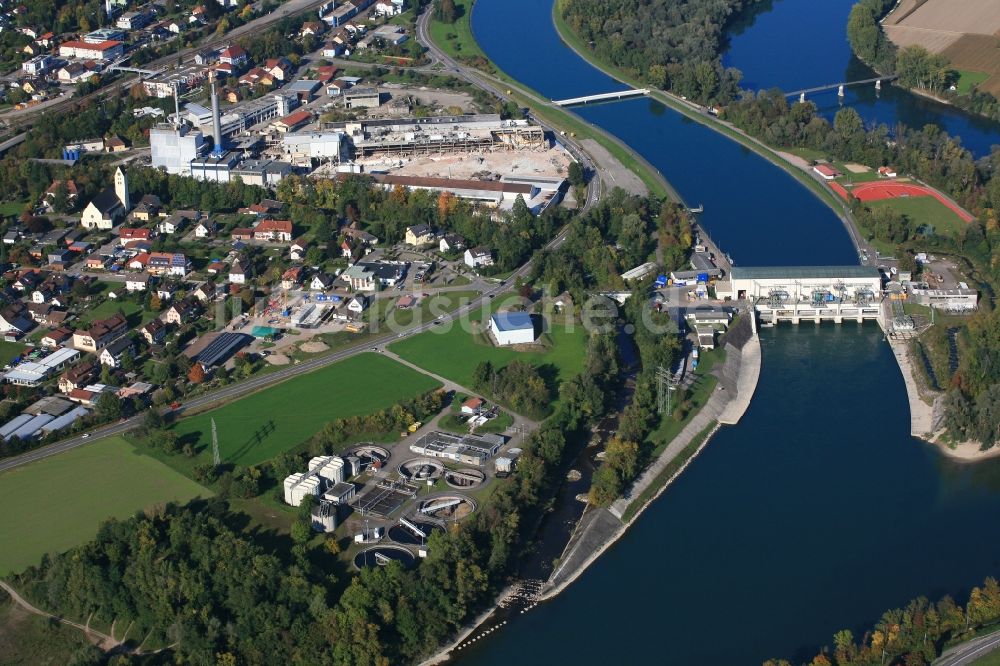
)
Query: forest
[{"x": 671, "y": 45}]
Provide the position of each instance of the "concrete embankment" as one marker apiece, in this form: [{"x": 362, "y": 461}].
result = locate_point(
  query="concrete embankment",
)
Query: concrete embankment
[{"x": 600, "y": 528}]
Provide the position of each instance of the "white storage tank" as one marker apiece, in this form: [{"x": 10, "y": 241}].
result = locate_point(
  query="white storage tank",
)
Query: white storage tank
[
  {"x": 290, "y": 482},
  {"x": 307, "y": 486},
  {"x": 318, "y": 462},
  {"x": 332, "y": 470}
]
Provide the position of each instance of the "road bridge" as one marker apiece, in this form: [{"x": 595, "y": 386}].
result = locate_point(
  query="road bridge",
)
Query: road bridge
[
  {"x": 600, "y": 97},
  {"x": 801, "y": 94}
]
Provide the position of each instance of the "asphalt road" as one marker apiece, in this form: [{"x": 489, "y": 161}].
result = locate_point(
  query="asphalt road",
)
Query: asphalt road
[{"x": 969, "y": 652}]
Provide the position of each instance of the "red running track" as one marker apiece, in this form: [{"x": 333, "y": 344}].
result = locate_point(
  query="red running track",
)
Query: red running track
[{"x": 877, "y": 191}]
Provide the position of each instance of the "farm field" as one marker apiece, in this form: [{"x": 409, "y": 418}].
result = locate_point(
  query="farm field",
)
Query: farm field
[
  {"x": 924, "y": 211},
  {"x": 57, "y": 503},
  {"x": 454, "y": 352},
  {"x": 287, "y": 414},
  {"x": 964, "y": 32}
]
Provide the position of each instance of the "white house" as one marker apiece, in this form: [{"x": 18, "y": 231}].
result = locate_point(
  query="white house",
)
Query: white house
[
  {"x": 357, "y": 304},
  {"x": 136, "y": 281},
  {"x": 236, "y": 273},
  {"x": 112, "y": 354},
  {"x": 478, "y": 256},
  {"x": 205, "y": 229},
  {"x": 512, "y": 328}
]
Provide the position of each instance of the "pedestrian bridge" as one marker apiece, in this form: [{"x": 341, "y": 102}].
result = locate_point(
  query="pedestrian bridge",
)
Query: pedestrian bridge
[
  {"x": 839, "y": 87},
  {"x": 600, "y": 97}
]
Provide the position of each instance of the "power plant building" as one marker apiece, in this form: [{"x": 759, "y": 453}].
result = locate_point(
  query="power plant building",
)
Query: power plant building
[
  {"x": 300, "y": 484},
  {"x": 174, "y": 148},
  {"x": 328, "y": 468}
]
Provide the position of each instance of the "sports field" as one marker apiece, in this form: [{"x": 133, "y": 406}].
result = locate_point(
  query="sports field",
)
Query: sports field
[
  {"x": 924, "y": 211},
  {"x": 868, "y": 192},
  {"x": 452, "y": 351},
  {"x": 260, "y": 426},
  {"x": 57, "y": 503}
]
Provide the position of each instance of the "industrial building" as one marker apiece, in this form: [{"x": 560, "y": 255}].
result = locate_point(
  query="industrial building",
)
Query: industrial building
[
  {"x": 421, "y": 136},
  {"x": 810, "y": 293},
  {"x": 467, "y": 449},
  {"x": 308, "y": 315},
  {"x": 300, "y": 484},
  {"x": 265, "y": 173},
  {"x": 174, "y": 148},
  {"x": 328, "y": 468},
  {"x": 32, "y": 373},
  {"x": 512, "y": 328},
  {"x": 959, "y": 300},
  {"x": 299, "y": 146}
]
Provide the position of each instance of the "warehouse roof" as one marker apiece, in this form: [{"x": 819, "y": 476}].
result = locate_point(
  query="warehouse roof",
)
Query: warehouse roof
[
  {"x": 802, "y": 272},
  {"x": 513, "y": 321}
]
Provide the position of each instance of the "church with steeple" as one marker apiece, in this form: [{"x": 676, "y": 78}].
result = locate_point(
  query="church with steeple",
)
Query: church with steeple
[{"x": 109, "y": 206}]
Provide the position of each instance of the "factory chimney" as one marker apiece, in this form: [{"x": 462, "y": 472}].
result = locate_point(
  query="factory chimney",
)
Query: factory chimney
[
  {"x": 177, "y": 109},
  {"x": 216, "y": 122}
]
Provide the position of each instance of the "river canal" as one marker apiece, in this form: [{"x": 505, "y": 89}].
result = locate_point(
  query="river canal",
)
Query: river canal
[
  {"x": 818, "y": 511},
  {"x": 800, "y": 44}
]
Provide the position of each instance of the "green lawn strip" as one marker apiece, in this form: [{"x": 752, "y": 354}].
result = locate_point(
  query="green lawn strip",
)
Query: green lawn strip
[
  {"x": 924, "y": 211},
  {"x": 454, "y": 351},
  {"x": 967, "y": 79},
  {"x": 12, "y": 208},
  {"x": 672, "y": 467},
  {"x": 456, "y": 39},
  {"x": 56, "y": 503},
  {"x": 454, "y": 423},
  {"x": 700, "y": 393},
  {"x": 289, "y": 413},
  {"x": 426, "y": 309},
  {"x": 9, "y": 350},
  {"x": 134, "y": 312},
  {"x": 26, "y": 638}
]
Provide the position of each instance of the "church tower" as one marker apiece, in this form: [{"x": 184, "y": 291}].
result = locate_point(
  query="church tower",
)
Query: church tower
[{"x": 121, "y": 188}]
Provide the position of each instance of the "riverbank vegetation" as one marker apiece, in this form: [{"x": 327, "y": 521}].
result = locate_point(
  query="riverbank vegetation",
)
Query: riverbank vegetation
[
  {"x": 915, "y": 634},
  {"x": 670, "y": 45}
]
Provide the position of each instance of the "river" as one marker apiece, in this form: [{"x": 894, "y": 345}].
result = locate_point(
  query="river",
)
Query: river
[
  {"x": 799, "y": 44},
  {"x": 818, "y": 511}
]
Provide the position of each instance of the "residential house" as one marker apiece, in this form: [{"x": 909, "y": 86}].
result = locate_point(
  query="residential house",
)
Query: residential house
[
  {"x": 168, "y": 263},
  {"x": 241, "y": 234},
  {"x": 78, "y": 377},
  {"x": 115, "y": 144},
  {"x": 320, "y": 282},
  {"x": 75, "y": 72},
  {"x": 472, "y": 406},
  {"x": 235, "y": 56},
  {"x": 346, "y": 250},
  {"x": 451, "y": 243},
  {"x": 206, "y": 292},
  {"x": 182, "y": 312},
  {"x": 257, "y": 76},
  {"x": 204, "y": 229},
  {"x": 237, "y": 274},
  {"x": 139, "y": 262},
  {"x": 297, "y": 252},
  {"x": 126, "y": 234},
  {"x": 273, "y": 230},
  {"x": 70, "y": 188},
  {"x": 100, "y": 333},
  {"x": 136, "y": 281},
  {"x": 357, "y": 304},
  {"x": 291, "y": 278},
  {"x": 15, "y": 320},
  {"x": 363, "y": 237},
  {"x": 280, "y": 68},
  {"x": 420, "y": 234},
  {"x": 56, "y": 337},
  {"x": 95, "y": 262},
  {"x": 154, "y": 332},
  {"x": 113, "y": 354},
  {"x": 311, "y": 29},
  {"x": 172, "y": 224},
  {"x": 478, "y": 256},
  {"x": 166, "y": 291}
]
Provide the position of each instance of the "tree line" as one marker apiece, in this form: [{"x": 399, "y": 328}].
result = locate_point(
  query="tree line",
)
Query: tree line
[{"x": 914, "y": 635}]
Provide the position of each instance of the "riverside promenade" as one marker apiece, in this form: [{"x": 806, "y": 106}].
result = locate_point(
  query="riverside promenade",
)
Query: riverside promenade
[{"x": 599, "y": 528}]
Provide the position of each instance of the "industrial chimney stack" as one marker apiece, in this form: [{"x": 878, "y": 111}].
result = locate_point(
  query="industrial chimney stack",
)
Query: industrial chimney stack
[{"x": 217, "y": 151}]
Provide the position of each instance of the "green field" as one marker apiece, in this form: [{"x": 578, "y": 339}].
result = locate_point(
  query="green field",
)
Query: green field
[
  {"x": 454, "y": 352},
  {"x": 12, "y": 208},
  {"x": 967, "y": 79},
  {"x": 289, "y": 413},
  {"x": 425, "y": 310},
  {"x": 9, "y": 350},
  {"x": 57, "y": 503},
  {"x": 991, "y": 659},
  {"x": 29, "y": 639},
  {"x": 924, "y": 211},
  {"x": 456, "y": 38},
  {"x": 134, "y": 312}
]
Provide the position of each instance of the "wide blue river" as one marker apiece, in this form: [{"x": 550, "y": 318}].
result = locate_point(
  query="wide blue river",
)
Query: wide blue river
[
  {"x": 800, "y": 44},
  {"x": 818, "y": 511}
]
